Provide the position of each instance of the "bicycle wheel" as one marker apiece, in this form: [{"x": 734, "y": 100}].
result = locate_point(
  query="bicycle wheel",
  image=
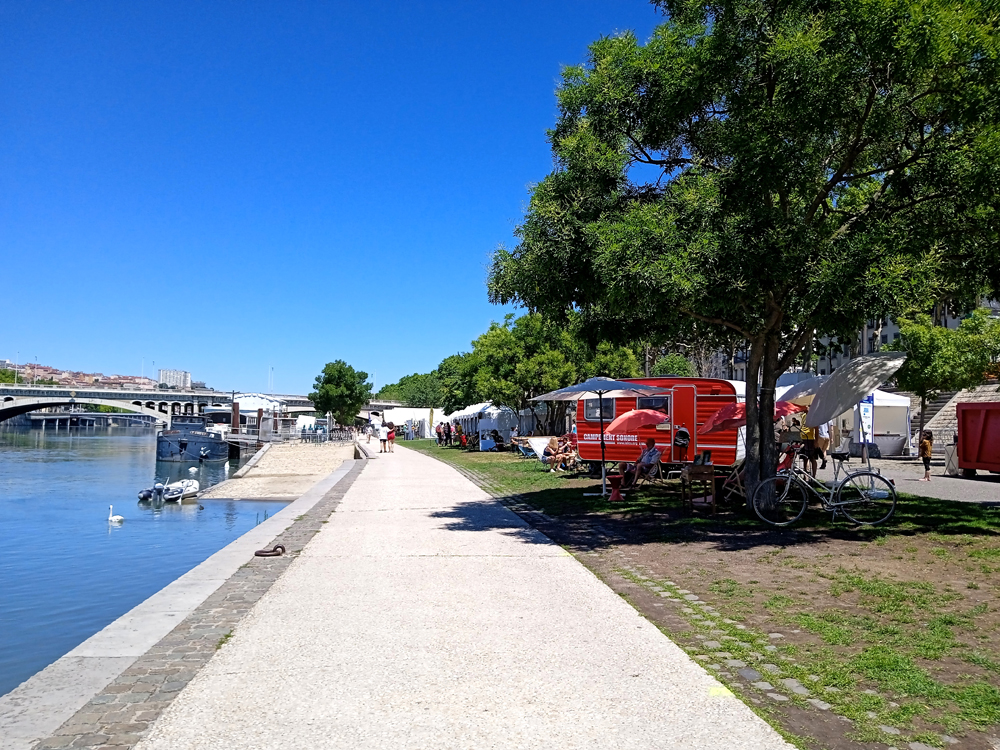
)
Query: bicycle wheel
[
  {"x": 866, "y": 498},
  {"x": 779, "y": 501}
]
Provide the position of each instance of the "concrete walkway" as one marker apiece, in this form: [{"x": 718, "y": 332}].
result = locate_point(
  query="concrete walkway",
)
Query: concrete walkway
[{"x": 425, "y": 614}]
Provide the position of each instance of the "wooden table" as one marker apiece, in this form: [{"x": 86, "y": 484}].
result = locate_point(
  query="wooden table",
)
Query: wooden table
[{"x": 692, "y": 475}]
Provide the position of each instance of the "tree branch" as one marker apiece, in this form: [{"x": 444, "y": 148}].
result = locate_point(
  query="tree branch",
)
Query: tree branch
[{"x": 716, "y": 321}]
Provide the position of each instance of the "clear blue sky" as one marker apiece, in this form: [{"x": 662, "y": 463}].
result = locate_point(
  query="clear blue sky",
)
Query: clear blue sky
[{"x": 223, "y": 187}]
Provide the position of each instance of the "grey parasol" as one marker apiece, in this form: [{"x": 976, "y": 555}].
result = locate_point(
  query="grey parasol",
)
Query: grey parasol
[{"x": 599, "y": 387}]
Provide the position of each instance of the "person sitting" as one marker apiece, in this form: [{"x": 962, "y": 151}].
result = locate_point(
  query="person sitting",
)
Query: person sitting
[
  {"x": 568, "y": 451},
  {"x": 551, "y": 456},
  {"x": 648, "y": 460}
]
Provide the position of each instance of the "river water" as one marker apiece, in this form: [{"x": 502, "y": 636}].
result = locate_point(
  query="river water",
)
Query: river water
[{"x": 65, "y": 572}]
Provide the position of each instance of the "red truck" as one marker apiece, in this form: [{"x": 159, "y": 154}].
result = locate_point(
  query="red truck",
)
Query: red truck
[
  {"x": 979, "y": 437},
  {"x": 686, "y": 402}
]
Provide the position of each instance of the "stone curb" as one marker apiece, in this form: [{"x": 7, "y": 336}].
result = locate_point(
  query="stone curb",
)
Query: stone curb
[{"x": 123, "y": 712}]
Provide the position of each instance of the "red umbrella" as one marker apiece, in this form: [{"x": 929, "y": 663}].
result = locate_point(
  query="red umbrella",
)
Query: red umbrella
[
  {"x": 631, "y": 421},
  {"x": 735, "y": 415}
]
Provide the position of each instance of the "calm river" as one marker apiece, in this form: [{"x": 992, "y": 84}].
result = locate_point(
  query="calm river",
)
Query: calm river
[{"x": 65, "y": 573}]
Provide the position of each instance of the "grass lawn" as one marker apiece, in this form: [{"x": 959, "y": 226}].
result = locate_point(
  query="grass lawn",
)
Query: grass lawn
[{"x": 894, "y": 629}]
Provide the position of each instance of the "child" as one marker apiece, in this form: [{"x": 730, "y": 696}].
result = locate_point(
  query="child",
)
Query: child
[{"x": 926, "y": 447}]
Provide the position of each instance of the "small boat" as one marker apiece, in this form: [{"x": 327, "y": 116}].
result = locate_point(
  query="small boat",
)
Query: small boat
[
  {"x": 171, "y": 492},
  {"x": 180, "y": 490}
]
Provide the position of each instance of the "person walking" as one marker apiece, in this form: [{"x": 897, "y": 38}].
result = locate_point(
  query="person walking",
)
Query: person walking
[
  {"x": 924, "y": 451},
  {"x": 440, "y": 434},
  {"x": 447, "y": 433},
  {"x": 391, "y": 436},
  {"x": 808, "y": 453},
  {"x": 822, "y": 442},
  {"x": 383, "y": 438}
]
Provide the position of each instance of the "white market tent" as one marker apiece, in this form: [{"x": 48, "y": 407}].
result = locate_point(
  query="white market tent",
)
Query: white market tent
[{"x": 483, "y": 419}]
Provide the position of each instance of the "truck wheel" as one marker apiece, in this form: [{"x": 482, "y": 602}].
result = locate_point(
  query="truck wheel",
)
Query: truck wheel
[{"x": 969, "y": 473}]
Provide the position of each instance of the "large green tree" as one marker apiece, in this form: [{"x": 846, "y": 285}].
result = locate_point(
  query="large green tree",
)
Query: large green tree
[
  {"x": 780, "y": 170},
  {"x": 942, "y": 359},
  {"x": 418, "y": 389},
  {"x": 342, "y": 391}
]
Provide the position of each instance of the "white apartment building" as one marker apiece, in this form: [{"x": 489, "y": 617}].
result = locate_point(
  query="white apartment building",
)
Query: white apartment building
[{"x": 179, "y": 378}]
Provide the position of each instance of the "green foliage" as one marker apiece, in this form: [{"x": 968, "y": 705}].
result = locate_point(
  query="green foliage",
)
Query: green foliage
[
  {"x": 519, "y": 359},
  {"x": 777, "y": 170},
  {"x": 942, "y": 359},
  {"x": 7, "y": 376},
  {"x": 514, "y": 361},
  {"x": 341, "y": 390},
  {"x": 425, "y": 390},
  {"x": 456, "y": 376},
  {"x": 673, "y": 364}
]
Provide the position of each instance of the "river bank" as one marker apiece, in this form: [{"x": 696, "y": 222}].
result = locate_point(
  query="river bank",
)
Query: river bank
[{"x": 28, "y": 712}]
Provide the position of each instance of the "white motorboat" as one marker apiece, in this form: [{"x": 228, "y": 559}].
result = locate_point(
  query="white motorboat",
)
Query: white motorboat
[{"x": 177, "y": 491}]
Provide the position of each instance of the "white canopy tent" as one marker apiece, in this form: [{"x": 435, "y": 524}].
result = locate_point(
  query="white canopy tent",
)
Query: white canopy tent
[{"x": 483, "y": 419}]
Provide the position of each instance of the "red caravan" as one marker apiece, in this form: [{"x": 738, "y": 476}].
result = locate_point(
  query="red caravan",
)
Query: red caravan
[{"x": 687, "y": 402}]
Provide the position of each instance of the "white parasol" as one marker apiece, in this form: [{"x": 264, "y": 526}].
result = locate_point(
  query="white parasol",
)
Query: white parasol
[
  {"x": 850, "y": 383},
  {"x": 803, "y": 392}
]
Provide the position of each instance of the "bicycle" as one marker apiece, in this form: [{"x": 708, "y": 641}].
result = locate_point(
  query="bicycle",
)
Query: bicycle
[{"x": 865, "y": 497}]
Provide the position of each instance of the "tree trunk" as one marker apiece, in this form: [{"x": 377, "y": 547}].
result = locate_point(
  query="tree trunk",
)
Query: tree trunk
[
  {"x": 645, "y": 361},
  {"x": 807, "y": 355},
  {"x": 753, "y": 461},
  {"x": 769, "y": 381}
]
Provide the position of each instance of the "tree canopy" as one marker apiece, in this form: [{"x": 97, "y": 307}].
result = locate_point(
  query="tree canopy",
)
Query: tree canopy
[
  {"x": 777, "y": 170},
  {"x": 418, "y": 389},
  {"x": 342, "y": 391},
  {"x": 942, "y": 359}
]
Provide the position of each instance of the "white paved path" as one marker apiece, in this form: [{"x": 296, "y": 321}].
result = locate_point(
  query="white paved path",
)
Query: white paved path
[{"x": 426, "y": 615}]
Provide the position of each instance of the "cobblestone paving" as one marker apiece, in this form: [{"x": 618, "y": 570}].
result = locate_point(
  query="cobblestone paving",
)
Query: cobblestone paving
[{"x": 123, "y": 712}]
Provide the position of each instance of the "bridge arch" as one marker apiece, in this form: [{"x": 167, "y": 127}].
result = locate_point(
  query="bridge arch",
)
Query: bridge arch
[{"x": 12, "y": 406}]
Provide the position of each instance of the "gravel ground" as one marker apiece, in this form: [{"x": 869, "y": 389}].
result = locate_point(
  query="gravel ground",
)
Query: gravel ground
[
  {"x": 285, "y": 471},
  {"x": 984, "y": 488}
]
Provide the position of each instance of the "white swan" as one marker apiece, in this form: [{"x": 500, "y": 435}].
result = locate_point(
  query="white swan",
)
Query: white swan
[{"x": 112, "y": 518}]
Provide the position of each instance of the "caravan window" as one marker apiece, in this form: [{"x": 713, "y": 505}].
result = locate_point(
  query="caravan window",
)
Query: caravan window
[
  {"x": 656, "y": 403},
  {"x": 592, "y": 409}
]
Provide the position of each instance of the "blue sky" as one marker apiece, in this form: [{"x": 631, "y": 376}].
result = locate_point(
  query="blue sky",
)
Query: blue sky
[{"x": 224, "y": 187}]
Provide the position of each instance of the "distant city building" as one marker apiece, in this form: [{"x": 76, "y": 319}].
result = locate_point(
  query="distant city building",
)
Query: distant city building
[
  {"x": 178, "y": 378},
  {"x": 198, "y": 384}
]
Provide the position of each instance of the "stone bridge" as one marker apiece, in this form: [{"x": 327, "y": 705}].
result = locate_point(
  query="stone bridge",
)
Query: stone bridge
[{"x": 162, "y": 404}]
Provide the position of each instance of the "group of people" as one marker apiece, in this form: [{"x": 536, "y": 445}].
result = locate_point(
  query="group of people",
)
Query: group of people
[
  {"x": 559, "y": 454},
  {"x": 815, "y": 445},
  {"x": 449, "y": 434},
  {"x": 386, "y": 432}
]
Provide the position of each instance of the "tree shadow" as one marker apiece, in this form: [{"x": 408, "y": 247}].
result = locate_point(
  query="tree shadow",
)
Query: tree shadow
[
  {"x": 656, "y": 514},
  {"x": 488, "y": 515}
]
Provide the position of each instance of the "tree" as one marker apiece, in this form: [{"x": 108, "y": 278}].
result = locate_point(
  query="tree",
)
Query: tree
[
  {"x": 943, "y": 359},
  {"x": 456, "y": 374},
  {"x": 7, "y": 376},
  {"x": 779, "y": 170},
  {"x": 418, "y": 389},
  {"x": 342, "y": 391},
  {"x": 673, "y": 364},
  {"x": 521, "y": 358}
]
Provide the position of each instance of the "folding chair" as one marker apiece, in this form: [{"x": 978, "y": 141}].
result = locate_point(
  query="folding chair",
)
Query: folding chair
[
  {"x": 525, "y": 450},
  {"x": 733, "y": 488},
  {"x": 652, "y": 476}
]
